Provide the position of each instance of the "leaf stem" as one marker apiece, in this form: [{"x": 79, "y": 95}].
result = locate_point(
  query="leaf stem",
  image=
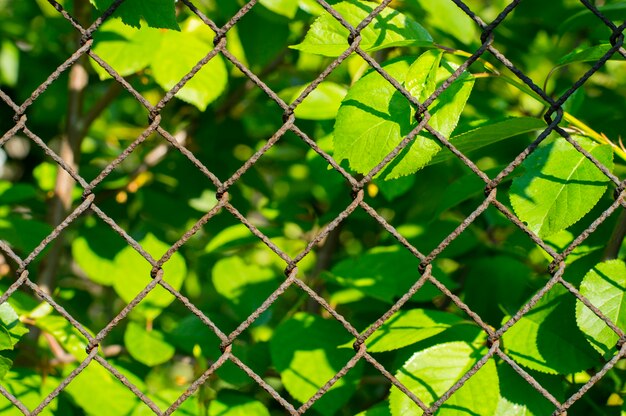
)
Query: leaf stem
[
  {"x": 582, "y": 127},
  {"x": 617, "y": 237},
  {"x": 598, "y": 137}
]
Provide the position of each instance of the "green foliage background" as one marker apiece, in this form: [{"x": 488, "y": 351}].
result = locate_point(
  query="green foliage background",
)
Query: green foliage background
[{"x": 291, "y": 193}]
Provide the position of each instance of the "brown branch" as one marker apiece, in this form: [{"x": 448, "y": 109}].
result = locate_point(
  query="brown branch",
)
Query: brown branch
[
  {"x": 61, "y": 203},
  {"x": 61, "y": 357},
  {"x": 103, "y": 102}
]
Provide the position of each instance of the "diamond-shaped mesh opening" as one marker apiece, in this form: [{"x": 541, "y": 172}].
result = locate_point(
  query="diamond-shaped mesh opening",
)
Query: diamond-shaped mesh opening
[{"x": 264, "y": 194}]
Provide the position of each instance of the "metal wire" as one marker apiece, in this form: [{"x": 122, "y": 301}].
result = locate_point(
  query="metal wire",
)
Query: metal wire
[{"x": 356, "y": 187}]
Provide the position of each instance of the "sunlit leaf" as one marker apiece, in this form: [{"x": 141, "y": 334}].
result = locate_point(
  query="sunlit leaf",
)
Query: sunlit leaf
[
  {"x": 86, "y": 387},
  {"x": 488, "y": 133},
  {"x": 589, "y": 54},
  {"x": 147, "y": 347},
  {"x": 328, "y": 37},
  {"x": 383, "y": 273},
  {"x": 407, "y": 327},
  {"x": 157, "y": 13},
  {"x": 431, "y": 372},
  {"x": 375, "y": 117},
  {"x": 178, "y": 54},
  {"x": 133, "y": 276},
  {"x": 321, "y": 104},
  {"x": 246, "y": 286},
  {"x": 559, "y": 185},
  {"x": 287, "y": 8},
  {"x": 547, "y": 339},
  {"x": 605, "y": 287}
]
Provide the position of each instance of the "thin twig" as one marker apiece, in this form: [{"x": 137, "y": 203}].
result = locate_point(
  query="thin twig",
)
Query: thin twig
[
  {"x": 238, "y": 94},
  {"x": 617, "y": 237},
  {"x": 103, "y": 102},
  {"x": 61, "y": 203}
]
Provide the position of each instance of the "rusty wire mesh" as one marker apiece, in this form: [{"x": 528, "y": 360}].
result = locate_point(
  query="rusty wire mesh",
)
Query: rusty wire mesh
[{"x": 553, "y": 117}]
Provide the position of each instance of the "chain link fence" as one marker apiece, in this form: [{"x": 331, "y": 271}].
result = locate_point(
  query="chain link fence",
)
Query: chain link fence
[{"x": 357, "y": 186}]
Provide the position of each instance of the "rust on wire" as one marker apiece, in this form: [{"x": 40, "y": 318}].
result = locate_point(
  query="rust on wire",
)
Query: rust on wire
[{"x": 424, "y": 273}]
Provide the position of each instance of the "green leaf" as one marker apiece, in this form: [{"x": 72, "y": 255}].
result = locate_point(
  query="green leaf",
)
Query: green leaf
[
  {"x": 133, "y": 275},
  {"x": 70, "y": 338},
  {"x": 381, "y": 409},
  {"x": 10, "y": 193},
  {"x": 547, "y": 339},
  {"x": 5, "y": 366},
  {"x": 449, "y": 18},
  {"x": 246, "y": 286},
  {"x": 86, "y": 391},
  {"x": 304, "y": 351},
  {"x": 431, "y": 372},
  {"x": 107, "y": 260},
  {"x": 11, "y": 321},
  {"x": 311, "y": 7},
  {"x": 407, "y": 327},
  {"x": 157, "y": 13},
  {"x": 6, "y": 342},
  {"x": 287, "y": 8},
  {"x": 488, "y": 133},
  {"x": 23, "y": 234},
  {"x": 147, "y": 347},
  {"x": 178, "y": 54},
  {"x": 518, "y": 398},
  {"x": 586, "y": 18},
  {"x": 321, "y": 104},
  {"x": 390, "y": 28},
  {"x": 391, "y": 190},
  {"x": 31, "y": 389},
  {"x": 384, "y": 273},
  {"x": 464, "y": 188},
  {"x": 95, "y": 252},
  {"x": 191, "y": 332},
  {"x": 128, "y": 50},
  {"x": 9, "y": 63},
  {"x": 604, "y": 287},
  {"x": 374, "y": 117},
  {"x": 169, "y": 54},
  {"x": 559, "y": 185},
  {"x": 588, "y": 54},
  {"x": 230, "y": 403},
  {"x": 45, "y": 175},
  {"x": 164, "y": 396},
  {"x": 236, "y": 236},
  {"x": 508, "y": 280},
  {"x": 421, "y": 80},
  {"x": 561, "y": 240},
  {"x": 244, "y": 39}
]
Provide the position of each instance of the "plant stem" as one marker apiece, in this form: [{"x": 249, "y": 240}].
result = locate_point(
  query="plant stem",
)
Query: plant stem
[
  {"x": 99, "y": 106},
  {"x": 61, "y": 203},
  {"x": 585, "y": 129},
  {"x": 617, "y": 237},
  {"x": 600, "y": 138}
]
